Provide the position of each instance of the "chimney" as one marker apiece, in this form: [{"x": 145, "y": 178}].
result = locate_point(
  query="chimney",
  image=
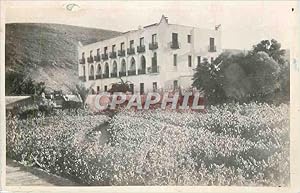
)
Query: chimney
[
  {"x": 163, "y": 17},
  {"x": 217, "y": 27}
]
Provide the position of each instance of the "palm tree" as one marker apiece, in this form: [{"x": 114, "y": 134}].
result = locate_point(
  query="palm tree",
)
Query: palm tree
[
  {"x": 120, "y": 86},
  {"x": 82, "y": 91}
]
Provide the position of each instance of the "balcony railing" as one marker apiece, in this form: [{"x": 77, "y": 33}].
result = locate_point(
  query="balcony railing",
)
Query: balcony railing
[
  {"x": 174, "y": 45},
  {"x": 113, "y": 54},
  {"x": 153, "y": 69},
  {"x": 82, "y": 61},
  {"x": 82, "y": 78},
  {"x": 91, "y": 77},
  {"x": 212, "y": 48},
  {"x": 104, "y": 56},
  {"x": 114, "y": 74},
  {"x": 122, "y": 74},
  {"x": 153, "y": 46},
  {"x": 130, "y": 51},
  {"x": 141, "y": 49},
  {"x": 90, "y": 59},
  {"x": 105, "y": 75},
  {"x": 98, "y": 76},
  {"x": 131, "y": 72},
  {"x": 121, "y": 53},
  {"x": 97, "y": 58},
  {"x": 141, "y": 71}
]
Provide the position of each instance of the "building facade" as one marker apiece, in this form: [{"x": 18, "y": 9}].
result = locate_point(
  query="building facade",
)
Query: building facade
[{"x": 157, "y": 56}]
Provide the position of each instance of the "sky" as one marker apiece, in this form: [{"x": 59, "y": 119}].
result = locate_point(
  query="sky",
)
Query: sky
[{"x": 243, "y": 23}]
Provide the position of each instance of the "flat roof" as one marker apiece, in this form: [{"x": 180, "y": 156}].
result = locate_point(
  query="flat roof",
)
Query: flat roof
[{"x": 147, "y": 26}]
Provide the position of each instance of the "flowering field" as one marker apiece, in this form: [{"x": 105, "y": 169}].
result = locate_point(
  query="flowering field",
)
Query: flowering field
[{"x": 228, "y": 145}]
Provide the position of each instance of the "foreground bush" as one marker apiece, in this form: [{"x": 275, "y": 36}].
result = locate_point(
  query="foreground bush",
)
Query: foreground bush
[{"x": 229, "y": 145}]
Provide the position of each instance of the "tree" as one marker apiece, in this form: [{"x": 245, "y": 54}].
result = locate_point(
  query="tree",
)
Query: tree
[
  {"x": 206, "y": 79},
  {"x": 264, "y": 75},
  {"x": 17, "y": 83},
  {"x": 120, "y": 87},
  {"x": 82, "y": 91},
  {"x": 257, "y": 75},
  {"x": 272, "y": 48}
]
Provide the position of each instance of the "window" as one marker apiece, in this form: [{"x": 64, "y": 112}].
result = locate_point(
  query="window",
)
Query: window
[
  {"x": 154, "y": 38},
  {"x": 131, "y": 43},
  {"x": 122, "y": 46},
  {"x": 142, "y": 41},
  {"x": 190, "y": 60},
  {"x": 98, "y": 51},
  {"x": 131, "y": 87},
  {"x": 154, "y": 67},
  {"x": 199, "y": 60},
  {"x": 98, "y": 89},
  {"x": 174, "y": 37},
  {"x": 83, "y": 70},
  {"x": 211, "y": 60},
  {"x": 211, "y": 44},
  {"x": 175, "y": 59},
  {"x": 91, "y": 52},
  {"x": 92, "y": 70},
  {"x": 175, "y": 84},
  {"x": 113, "y": 48},
  {"x": 105, "y": 88},
  {"x": 189, "y": 38},
  {"x": 154, "y": 86},
  {"x": 82, "y": 54},
  {"x": 142, "y": 88},
  {"x": 123, "y": 66},
  {"x": 105, "y": 50}
]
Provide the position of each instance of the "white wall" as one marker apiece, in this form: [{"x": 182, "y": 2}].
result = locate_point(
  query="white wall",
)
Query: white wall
[{"x": 167, "y": 71}]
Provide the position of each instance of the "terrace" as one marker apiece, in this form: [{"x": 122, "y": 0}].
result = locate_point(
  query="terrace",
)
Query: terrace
[
  {"x": 82, "y": 61},
  {"x": 121, "y": 53},
  {"x": 104, "y": 56},
  {"x": 91, "y": 77},
  {"x": 97, "y": 58},
  {"x": 98, "y": 76},
  {"x": 122, "y": 74},
  {"x": 153, "y": 46},
  {"x": 82, "y": 78},
  {"x": 90, "y": 59},
  {"x": 212, "y": 48},
  {"x": 130, "y": 51},
  {"x": 113, "y": 74},
  {"x": 131, "y": 72},
  {"x": 174, "y": 45},
  {"x": 141, "y": 49},
  {"x": 113, "y": 55}
]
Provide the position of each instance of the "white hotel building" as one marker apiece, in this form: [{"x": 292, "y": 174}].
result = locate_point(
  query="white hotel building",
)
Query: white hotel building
[{"x": 156, "y": 56}]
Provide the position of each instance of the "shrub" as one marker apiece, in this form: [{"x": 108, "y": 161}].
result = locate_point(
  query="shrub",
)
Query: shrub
[{"x": 229, "y": 145}]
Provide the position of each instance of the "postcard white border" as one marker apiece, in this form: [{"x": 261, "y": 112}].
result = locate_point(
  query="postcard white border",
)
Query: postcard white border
[{"x": 294, "y": 134}]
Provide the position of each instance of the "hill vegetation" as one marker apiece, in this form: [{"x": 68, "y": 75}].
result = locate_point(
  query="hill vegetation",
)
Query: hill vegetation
[{"x": 45, "y": 53}]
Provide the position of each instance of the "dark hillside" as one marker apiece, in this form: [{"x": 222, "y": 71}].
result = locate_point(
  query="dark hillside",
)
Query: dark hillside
[{"x": 47, "y": 52}]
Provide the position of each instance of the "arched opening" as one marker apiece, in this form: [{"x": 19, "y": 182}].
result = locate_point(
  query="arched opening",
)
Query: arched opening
[
  {"x": 154, "y": 67},
  {"x": 83, "y": 77},
  {"x": 132, "y": 68},
  {"x": 114, "y": 69},
  {"x": 98, "y": 72},
  {"x": 142, "y": 68},
  {"x": 106, "y": 71},
  {"x": 92, "y": 73},
  {"x": 83, "y": 71},
  {"x": 123, "y": 68}
]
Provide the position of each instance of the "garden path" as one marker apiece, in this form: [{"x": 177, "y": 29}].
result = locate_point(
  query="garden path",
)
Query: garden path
[{"x": 19, "y": 175}]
